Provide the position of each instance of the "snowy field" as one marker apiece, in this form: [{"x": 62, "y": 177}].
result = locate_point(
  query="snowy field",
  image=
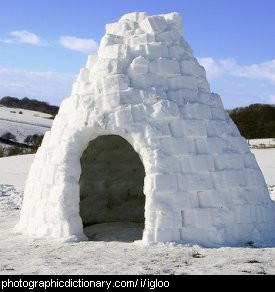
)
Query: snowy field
[
  {"x": 262, "y": 142},
  {"x": 20, "y": 255},
  {"x": 24, "y": 124}
]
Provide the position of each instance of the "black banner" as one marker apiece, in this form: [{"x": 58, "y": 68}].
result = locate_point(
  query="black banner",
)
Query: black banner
[{"x": 90, "y": 282}]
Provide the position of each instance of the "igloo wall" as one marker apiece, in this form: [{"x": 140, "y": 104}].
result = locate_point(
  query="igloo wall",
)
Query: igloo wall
[{"x": 202, "y": 184}]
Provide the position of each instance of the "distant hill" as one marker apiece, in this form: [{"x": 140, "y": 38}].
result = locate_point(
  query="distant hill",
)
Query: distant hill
[
  {"x": 255, "y": 121},
  {"x": 29, "y": 104},
  {"x": 22, "y": 130}
]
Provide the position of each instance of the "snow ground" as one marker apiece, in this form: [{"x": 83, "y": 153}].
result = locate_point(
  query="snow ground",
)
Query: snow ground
[
  {"x": 23, "y": 125},
  {"x": 21, "y": 255},
  {"x": 14, "y": 170},
  {"x": 266, "y": 161},
  {"x": 267, "y": 142}
]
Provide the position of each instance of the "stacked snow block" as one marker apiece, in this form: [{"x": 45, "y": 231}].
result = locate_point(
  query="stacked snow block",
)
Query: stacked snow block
[{"x": 202, "y": 184}]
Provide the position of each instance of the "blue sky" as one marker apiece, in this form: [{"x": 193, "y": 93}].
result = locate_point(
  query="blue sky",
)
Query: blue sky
[{"x": 44, "y": 43}]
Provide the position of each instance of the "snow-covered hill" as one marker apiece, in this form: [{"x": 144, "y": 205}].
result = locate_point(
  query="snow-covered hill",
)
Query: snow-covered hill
[
  {"x": 22, "y": 123},
  {"x": 262, "y": 143},
  {"x": 19, "y": 255}
]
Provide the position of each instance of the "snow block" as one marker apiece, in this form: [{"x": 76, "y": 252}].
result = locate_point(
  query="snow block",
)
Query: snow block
[
  {"x": 141, "y": 81},
  {"x": 111, "y": 66},
  {"x": 218, "y": 114},
  {"x": 162, "y": 164},
  {"x": 111, "y": 100},
  {"x": 211, "y": 199},
  {"x": 203, "y": 84},
  {"x": 168, "y": 37},
  {"x": 84, "y": 75},
  {"x": 152, "y": 50},
  {"x": 122, "y": 28},
  {"x": 180, "y": 82},
  {"x": 164, "y": 67},
  {"x": 165, "y": 108},
  {"x": 229, "y": 161},
  {"x": 124, "y": 117},
  {"x": 194, "y": 182},
  {"x": 174, "y": 20},
  {"x": 197, "y": 111},
  {"x": 192, "y": 67},
  {"x": 216, "y": 128},
  {"x": 115, "y": 83},
  {"x": 117, "y": 51},
  {"x": 153, "y": 24},
  {"x": 170, "y": 221},
  {"x": 249, "y": 161},
  {"x": 143, "y": 38},
  {"x": 177, "y": 128},
  {"x": 210, "y": 145},
  {"x": 197, "y": 218},
  {"x": 157, "y": 130},
  {"x": 91, "y": 62},
  {"x": 139, "y": 66},
  {"x": 110, "y": 39},
  {"x": 177, "y": 146},
  {"x": 202, "y": 163},
  {"x": 167, "y": 235},
  {"x": 176, "y": 52},
  {"x": 165, "y": 183},
  {"x": 135, "y": 16},
  {"x": 130, "y": 96},
  {"x": 182, "y": 96},
  {"x": 194, "y": 128}
]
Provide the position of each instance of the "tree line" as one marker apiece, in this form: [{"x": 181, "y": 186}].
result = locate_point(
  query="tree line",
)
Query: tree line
[
  {"x": 255, "y": 121},
  {"x": 29, "y": 104}
]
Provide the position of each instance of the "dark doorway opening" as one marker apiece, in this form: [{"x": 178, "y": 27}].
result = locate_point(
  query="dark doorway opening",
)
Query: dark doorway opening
[{"x": 112, "y": 201}]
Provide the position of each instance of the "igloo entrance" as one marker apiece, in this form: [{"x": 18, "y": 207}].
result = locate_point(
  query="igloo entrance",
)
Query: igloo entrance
[{"x": 112, "y": 202}]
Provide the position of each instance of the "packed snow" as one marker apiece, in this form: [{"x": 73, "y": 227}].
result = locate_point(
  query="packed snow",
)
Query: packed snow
[
  {"x": 14, "y": 170},
  {"x": 266, "y": 161},
  {"x": 23, "y": 123}
]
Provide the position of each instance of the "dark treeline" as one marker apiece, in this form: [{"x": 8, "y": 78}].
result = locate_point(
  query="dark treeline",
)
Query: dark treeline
[
  {"x": 255, "y": 121},
  {"x": 30, "y": 145},
  {"x": 29, "y": 104}
]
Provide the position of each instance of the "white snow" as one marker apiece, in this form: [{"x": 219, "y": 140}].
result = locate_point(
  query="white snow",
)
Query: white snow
[
  {"x": 25, "y": 124},
  {"x": 147, "y": 87},
  {"x": 106, "y": 255},
  {"x": 262, "y": 143},
  {"x": 14, "y": 170},
  {"x": 266, "y": 161}
]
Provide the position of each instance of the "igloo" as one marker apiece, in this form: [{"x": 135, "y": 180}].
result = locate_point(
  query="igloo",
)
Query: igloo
[{"x": 142, "y": 139}]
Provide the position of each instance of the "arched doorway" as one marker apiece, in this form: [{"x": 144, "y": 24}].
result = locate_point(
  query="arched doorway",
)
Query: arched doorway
[{"x": 111, "y": 190}]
